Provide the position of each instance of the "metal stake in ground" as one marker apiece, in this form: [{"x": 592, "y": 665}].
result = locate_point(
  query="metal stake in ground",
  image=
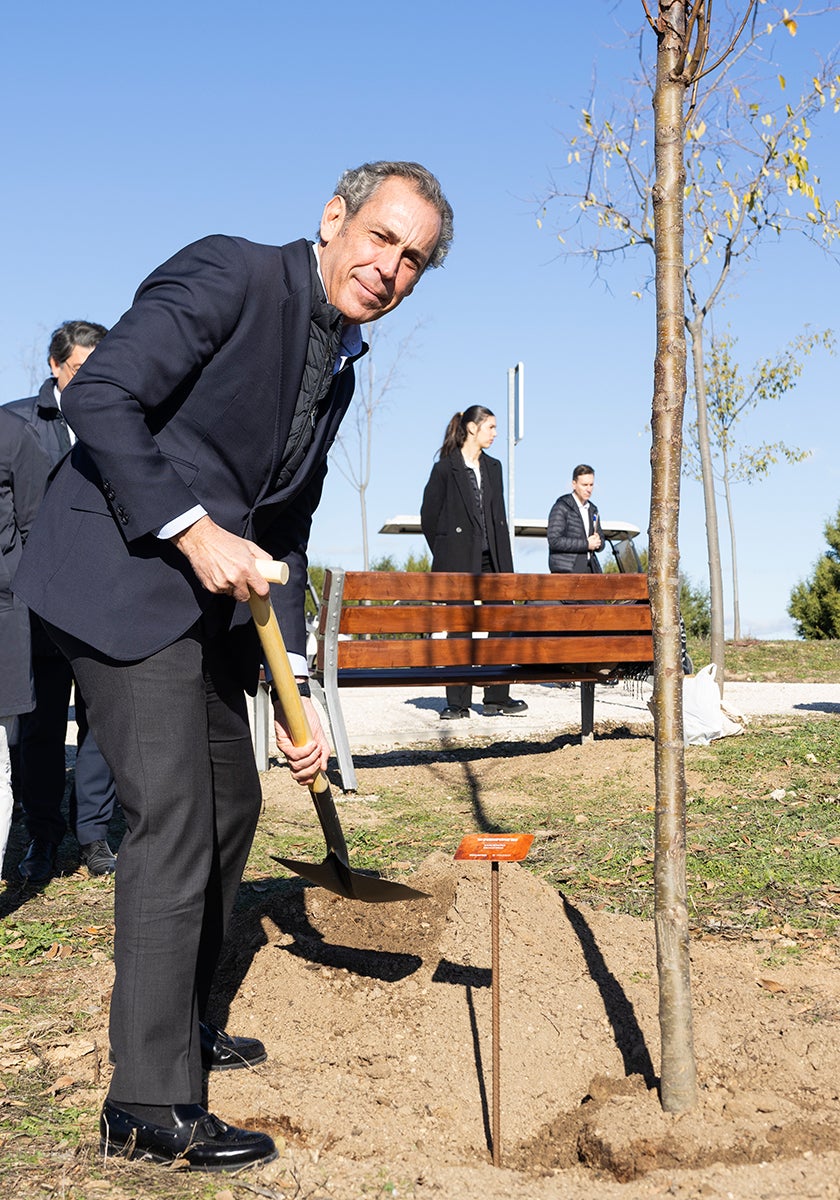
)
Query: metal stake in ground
[{"x": 495, "y": 848}]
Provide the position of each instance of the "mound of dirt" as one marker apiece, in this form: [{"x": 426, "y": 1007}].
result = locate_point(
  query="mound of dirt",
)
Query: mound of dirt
[{"x": 377, "y": 1020}]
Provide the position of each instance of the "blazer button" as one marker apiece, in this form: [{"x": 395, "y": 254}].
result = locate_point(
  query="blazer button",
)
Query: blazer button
[{"x": 458, "y": 529}]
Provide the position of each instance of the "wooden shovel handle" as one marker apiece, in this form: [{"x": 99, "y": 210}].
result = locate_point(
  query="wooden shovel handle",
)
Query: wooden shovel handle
[
  {"x": 282, "y": 676},
  {"x": 274, "y": 572}
]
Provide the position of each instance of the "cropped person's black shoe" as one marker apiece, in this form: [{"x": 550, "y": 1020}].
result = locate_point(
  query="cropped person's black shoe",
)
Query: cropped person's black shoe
[
  {"x": 195, "y": 1137},
  {"x": 508, "y": 708}
]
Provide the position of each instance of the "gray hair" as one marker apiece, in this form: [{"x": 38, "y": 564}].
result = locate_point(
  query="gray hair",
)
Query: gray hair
[{"x": 356, "y": 186}]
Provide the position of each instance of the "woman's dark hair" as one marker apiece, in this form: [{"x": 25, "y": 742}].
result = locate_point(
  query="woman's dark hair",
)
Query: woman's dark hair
[{"x": 456, "y": 430}]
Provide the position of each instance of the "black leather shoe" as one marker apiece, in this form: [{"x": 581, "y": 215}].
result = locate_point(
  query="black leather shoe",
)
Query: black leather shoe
[
  {"x": 98, "y": 858},
  {"x": 195, "y": 1137},
  {"x": 451, "y": 713},
  {"x": 39, "y": 863},
  {"x": 219, "y": 1052},
  {"x": 509, "y": 708}
]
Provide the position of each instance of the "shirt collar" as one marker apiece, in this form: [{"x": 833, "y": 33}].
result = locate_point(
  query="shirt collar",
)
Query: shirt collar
[{"x": 351, "y": 334}]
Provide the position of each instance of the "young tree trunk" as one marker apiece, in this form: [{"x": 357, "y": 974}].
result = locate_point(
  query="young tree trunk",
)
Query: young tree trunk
[
  {"x": 730, "y": 516},
  {"x": 678, "y": 1071},
  {"x": 363, "y": 513},
  {"x": 716, "y": 649}
]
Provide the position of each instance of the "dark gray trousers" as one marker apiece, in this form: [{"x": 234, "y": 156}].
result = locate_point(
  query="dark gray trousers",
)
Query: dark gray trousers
[{"x": 174, "y": 729}]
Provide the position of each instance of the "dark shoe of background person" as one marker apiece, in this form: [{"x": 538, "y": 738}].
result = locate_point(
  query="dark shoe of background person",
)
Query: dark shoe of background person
[
  {"x": 195, "y": 1137},
  {"x": 98, "y": 858},
  {"x": 220, "y": 1052},
  {"x": 38, "y": 864},
  {"x": 510, "y": 708},
  {"x": 451, "y": 713}
]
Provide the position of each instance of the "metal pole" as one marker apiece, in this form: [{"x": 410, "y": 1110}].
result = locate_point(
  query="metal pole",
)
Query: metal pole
[
  {"x": 494, "y": 953},
  {"x": 511, "y": 447}
]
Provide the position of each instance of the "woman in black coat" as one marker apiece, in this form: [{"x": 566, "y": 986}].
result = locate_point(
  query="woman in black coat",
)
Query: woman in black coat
[{"x": 463, "y": 520}]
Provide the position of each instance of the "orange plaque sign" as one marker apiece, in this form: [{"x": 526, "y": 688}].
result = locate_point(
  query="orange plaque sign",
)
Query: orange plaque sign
[{"x": 495, "y": 847}]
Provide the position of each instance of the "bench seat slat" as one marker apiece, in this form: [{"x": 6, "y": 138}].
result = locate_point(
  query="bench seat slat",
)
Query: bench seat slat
[{"x": 478, "y": 676}]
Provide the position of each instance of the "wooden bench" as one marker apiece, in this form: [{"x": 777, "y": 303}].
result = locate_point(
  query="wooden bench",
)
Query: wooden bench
[{"x": 417, "y": 629}]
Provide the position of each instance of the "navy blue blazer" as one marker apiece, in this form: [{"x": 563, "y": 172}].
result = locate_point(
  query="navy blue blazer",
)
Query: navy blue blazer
[{"x": 188, "y": 400}]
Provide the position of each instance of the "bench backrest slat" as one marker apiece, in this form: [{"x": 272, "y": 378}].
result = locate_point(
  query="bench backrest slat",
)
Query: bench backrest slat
[
  {"x": 408, "y": 619},
  {"x": 437, "y": 587},
  {"x": 496, "y": 651}
]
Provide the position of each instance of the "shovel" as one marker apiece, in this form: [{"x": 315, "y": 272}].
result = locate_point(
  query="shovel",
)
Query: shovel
[{"x": 334, "y": 873}]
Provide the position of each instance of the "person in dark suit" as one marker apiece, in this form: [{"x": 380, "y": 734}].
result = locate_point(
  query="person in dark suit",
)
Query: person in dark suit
[
  {"x": 574, "y": 529},
  {"x": 24, "y": 467},
  {"x": 463, "y": 520},
  {"x": 204, "y": 420},
  {"x": 43, "y": 731}
]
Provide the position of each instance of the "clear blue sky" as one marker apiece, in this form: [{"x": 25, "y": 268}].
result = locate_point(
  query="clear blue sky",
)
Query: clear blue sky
[{"x": 138, "y": 128}]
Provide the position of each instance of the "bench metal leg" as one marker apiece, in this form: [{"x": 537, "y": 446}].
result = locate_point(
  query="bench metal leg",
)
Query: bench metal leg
[
  {"x": 587, "y": 711},
  {"x": 260, "y": 714},
  {"x": 328, "y": 697},
  {"x": 326, "y": 687}
]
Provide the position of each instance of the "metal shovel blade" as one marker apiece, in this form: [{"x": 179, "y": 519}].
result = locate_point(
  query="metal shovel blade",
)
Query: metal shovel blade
[
  {"x": 336, "y": 876},
  {"x": 334, "y": 873}
]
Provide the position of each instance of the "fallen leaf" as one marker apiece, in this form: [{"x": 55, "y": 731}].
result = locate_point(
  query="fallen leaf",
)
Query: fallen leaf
[
  {"x": 771, "y": 985},
  {"x": 15, "y": 1008},
  {"x": 62, "y": 1084},
  {"x": 18, "y": 945}
]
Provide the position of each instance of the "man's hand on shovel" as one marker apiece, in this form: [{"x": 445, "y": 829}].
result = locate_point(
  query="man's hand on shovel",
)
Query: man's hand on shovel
[
  {"x": 304, "y": 761},
  {"x": 223, "y": 562},
  {"x": 228, "y": 565}
]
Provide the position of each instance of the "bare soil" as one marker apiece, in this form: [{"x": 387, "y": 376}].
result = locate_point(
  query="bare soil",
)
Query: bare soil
[{"x": 377, "y": 1021}]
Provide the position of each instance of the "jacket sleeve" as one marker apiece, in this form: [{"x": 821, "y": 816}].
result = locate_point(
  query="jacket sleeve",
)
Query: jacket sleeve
[
  {"x": 30, "y": 467},
  {"x": 561, "y": 539},
  {"x": 431, "y": 508},
  {"x": 181, "y": 316}
]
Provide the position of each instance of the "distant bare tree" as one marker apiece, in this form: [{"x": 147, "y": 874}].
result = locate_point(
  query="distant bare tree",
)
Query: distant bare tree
[{"x": 376, "y": 378}]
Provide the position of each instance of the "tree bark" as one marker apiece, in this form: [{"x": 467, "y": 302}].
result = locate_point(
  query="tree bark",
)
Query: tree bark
[{"x": 678, "y": 1071}]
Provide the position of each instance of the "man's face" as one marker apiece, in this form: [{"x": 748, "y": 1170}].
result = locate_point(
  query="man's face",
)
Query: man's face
[
  {"x": 65, "y": 371},
  {"x": 582, "y": 487},
  {"x": 371, "y": 261}
]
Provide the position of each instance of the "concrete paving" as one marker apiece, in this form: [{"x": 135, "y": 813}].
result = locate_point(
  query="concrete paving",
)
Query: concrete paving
[{"x": 381, "y": 717}]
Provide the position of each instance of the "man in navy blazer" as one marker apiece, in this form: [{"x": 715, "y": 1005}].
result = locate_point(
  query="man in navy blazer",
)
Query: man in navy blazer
[{"x": 204, "y": 420}]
